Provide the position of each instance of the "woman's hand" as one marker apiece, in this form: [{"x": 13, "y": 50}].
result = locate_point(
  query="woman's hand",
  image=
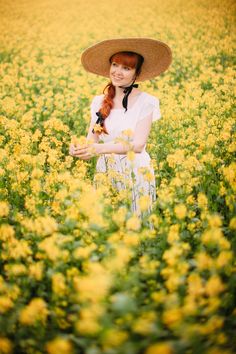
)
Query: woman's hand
[{"x": 84, "y": 152}]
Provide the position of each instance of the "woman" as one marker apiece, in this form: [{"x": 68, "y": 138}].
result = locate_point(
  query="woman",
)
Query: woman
[{"x": 121, "y": 118}]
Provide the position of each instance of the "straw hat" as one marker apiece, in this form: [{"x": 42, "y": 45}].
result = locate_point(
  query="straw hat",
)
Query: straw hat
[{"x": 157, "y": 56}]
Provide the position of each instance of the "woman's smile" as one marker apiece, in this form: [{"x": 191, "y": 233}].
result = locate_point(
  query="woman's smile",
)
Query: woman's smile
[{"x": 116, "y": 78}]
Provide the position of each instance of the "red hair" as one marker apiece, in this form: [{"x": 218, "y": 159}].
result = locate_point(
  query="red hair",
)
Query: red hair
[{"x": 130, "y": 59}]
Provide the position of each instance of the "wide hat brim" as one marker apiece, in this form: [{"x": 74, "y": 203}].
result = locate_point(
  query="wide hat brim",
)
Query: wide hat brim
[{"x": 157, "y": 56}]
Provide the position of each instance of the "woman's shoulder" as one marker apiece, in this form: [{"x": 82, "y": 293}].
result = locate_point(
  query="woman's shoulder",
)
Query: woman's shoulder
[
  {"x": 97, "y": 98},
  {"x": 150, "y": 104},
  {"x": 96, "y": 101},
  {"x": 148, "y": 98}
]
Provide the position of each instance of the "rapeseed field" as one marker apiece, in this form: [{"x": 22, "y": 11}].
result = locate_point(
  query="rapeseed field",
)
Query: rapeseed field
[{"x": 80, "y": 274}]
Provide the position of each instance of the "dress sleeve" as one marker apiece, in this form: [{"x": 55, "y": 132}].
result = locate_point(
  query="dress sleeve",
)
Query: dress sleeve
[
  {"x": 151, "y": 105},
  {"x": 94, "y": 107}
]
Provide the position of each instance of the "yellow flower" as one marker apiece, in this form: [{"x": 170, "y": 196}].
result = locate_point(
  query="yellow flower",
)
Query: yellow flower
[
  {"x": 133, "y": 223},
  {"x": 18, "y": 249},
  {"x": 122, "y": 257},
  {"x": 173, "y": 282},
  {"x": 131, "y": 240},
  {"x": 4, "y": 209},
  {"x": 128, "y": 132},
  {"x": 5, "y": 304},
  {"x": 190, "y": 306},
  {"x": 202, "y": 200},
  {"x": 36, "y": 270},
  {"x": 49, "y": 246},
  {"x": 82, "y": 140},
  {"x": 43, "y": 225},
  {"x": 146, "y": 173},
  {"x": 27, "y": 119},
  {"x": 59, "y": 345},
  {"x": 87, "y": 325},
  {"x": 35, "y": 311},
  {"x": 144, "y": 202},
  {"x": 173, "y": 234},
  {"x": 8, "y": 105},
  {"x": 212, "y": 325},
  {"x": 204, "y": 261},
  {"x": 7, "y": 232},
  {"x": 149, "y": 176},
  {"x": 113, "y": 338},
  {"x": 230, "y": 174},
  {"x": 158, "y": 296},
  {"x": 214, "y": 220},
  {"x": 120, "y": 216},
  {"x": 160, "y": 348},
  {"x": 171, "y": 255},
  {"x": 84, "y": 285},
  {"x": 180, "y": 211},
  {"x": 88, "y": 322},
  {"x": 59, "y": 284},
  {"x": 214, "y": 286},
  {"x": 131, "y": 155},
  {"x": 223, "y": 259},
  {"x": 232, "y": 223},
  {"x": 84, "y": 252},
  {"x": 223, "y": 190},
  {"x": 195, "y": 285},
  {"x": 172, "y": 317},
  {"x": 97, "y": 128},
  {"x": 211, "y": 236},
  {"x": 145, "y": 324},
  {"x": 190, "y": 199},
  {"x": 6, "y": 346}
]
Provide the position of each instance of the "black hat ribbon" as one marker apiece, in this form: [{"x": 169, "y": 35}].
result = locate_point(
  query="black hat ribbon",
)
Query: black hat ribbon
[{"x": 127, "y": 92}]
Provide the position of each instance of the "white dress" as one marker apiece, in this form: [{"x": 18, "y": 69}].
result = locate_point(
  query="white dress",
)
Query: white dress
[{"x": 128, "y": 172}]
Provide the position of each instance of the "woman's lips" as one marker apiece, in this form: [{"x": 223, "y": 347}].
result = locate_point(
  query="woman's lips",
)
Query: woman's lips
[{"x": 116, "y": 78}]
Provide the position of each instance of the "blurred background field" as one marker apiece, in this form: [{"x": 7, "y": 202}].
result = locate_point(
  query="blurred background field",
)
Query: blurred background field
[{"x": 79, "y": 272}]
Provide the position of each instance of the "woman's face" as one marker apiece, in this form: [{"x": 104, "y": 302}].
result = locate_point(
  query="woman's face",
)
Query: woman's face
[{"x": 121, "y": 75}]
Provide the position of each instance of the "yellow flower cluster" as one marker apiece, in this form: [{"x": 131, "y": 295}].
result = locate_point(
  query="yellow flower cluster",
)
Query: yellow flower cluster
[{"x": 35, "y": 311}]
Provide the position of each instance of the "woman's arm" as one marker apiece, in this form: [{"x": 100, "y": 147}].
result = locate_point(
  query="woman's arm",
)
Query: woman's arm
[
  {"x": 140, "y": 137},
  {"x": 91, "y": 135}
]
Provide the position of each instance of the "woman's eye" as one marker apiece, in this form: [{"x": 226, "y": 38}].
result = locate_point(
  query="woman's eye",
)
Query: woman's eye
[{"x": 126, "y": 68}]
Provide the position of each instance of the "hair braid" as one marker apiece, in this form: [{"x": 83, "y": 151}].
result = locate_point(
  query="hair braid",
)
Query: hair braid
[{"x": 107, "y": 103}]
